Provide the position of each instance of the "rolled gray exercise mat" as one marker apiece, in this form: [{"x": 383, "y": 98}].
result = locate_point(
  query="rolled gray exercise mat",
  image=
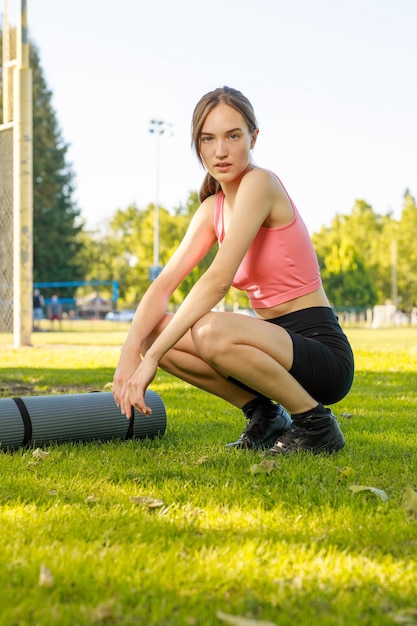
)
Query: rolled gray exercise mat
[{"x": 35, "y": 420}]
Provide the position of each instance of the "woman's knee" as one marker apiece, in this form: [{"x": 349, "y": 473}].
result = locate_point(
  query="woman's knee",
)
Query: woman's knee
[{"x": 209, "y": 336}]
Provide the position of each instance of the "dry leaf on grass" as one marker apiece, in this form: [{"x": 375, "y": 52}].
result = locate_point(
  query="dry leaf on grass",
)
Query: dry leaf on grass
[
  {"x": 104, "y": 613},
  {"x": 407, "y": 617},
  {"x": 46, "y": 578},
  {"x": 91, "y": 498},
  {"x": 39, "y": 454},
  {"x": 147, "y": 502},
  {"x": 378, "y": 492},
  {"x": 264, "y": 467},
  {"x": 237, "y": 620},
  {"x": 410, "y": 502}
]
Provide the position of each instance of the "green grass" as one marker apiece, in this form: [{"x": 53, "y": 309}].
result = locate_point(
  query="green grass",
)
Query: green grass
[{"x": 289, "y": 543}]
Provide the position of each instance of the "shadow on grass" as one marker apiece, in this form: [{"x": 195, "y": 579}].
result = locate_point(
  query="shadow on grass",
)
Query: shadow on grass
[{"x": 51, "y": 381}]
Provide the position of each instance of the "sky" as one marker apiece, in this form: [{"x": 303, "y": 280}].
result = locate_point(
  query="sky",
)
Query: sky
[{"x": 333, "y": 84}]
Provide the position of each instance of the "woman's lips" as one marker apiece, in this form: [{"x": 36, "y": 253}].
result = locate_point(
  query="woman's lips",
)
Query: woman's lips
[{"x": 222, "y": 166}]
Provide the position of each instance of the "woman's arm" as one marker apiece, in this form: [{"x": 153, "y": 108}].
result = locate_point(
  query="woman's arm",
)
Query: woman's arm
[
  {"x": 197, "y": 241},
  {"x": 252, "y": 206}
]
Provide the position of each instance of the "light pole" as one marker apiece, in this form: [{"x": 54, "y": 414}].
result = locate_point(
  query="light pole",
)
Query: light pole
[{"x": 157, "y": 128}]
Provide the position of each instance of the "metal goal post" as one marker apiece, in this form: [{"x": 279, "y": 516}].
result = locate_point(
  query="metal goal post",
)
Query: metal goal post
[{"x": 16, "y": 178}]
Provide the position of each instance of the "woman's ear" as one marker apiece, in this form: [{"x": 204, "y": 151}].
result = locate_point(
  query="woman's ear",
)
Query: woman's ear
[{"x": 254, "y": 138}]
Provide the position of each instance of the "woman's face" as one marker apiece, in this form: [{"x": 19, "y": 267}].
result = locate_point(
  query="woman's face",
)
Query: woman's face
[{"x": 225, "y": 144}]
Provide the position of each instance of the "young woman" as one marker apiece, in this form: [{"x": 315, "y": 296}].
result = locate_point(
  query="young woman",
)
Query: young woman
[{"x": 293, "y": 354}]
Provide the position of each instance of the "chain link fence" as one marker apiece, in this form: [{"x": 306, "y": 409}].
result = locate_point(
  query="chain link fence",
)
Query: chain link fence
[
  {"x": 8, "y": 56},
  {"x": 6, "y": 230}
]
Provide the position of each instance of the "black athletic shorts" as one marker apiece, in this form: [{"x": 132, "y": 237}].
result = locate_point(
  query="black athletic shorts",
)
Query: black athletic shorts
[{"x": 323, "y": 360}]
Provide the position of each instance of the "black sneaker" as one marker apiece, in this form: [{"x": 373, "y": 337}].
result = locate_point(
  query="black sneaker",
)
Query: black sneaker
[
  {"x": 315, "y": 433},
  {"x": 265, "y": 424}
]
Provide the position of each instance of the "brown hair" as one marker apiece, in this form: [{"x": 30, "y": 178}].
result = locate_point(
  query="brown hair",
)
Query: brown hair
[{"x": 234, "y": 99}]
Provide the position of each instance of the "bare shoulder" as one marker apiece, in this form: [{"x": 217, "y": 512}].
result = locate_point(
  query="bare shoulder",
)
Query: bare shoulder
[
  {"x": 263, "y": 180},
  {"x": 209, "y": 203},
  {"x": 205, "y": 211},
  {"x": 269, "y": 185},
  {"x": 260, "y": 175}
]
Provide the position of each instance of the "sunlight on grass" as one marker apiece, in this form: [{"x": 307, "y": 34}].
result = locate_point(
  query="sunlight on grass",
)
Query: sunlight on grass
[{"x": 293, "y": 544}]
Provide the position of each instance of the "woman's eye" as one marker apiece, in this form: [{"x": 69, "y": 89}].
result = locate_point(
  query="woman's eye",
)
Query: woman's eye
[
  {"x": 234, "y": 136},
  {"x": 206, "y": 139}
]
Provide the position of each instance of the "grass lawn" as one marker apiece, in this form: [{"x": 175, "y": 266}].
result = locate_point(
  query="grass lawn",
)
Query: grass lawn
[{"x": 181, "y": 531}]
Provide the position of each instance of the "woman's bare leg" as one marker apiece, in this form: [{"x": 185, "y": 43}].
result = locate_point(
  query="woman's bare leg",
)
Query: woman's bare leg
[
  {"x": 183, "y": 362},
  {"x": 260, "y": 354},
  {"x": 223, "y": 345},
  {"x": 253, "y": 351},
  {"x": 265, "y": 420}
]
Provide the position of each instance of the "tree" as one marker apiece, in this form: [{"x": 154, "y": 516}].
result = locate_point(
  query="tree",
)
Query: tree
[
  {"x": 347, "y": 279},
  {"x": 124, "y": 250},
  {"x": 348, "y": 254},
  {"x": 406, "y": 261},
  {"x": 56, "y": 218},
  {"x": 57, "y": 225}
]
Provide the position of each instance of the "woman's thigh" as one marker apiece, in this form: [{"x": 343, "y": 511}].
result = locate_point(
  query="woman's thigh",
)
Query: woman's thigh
[{"x": 217, "y": 332}]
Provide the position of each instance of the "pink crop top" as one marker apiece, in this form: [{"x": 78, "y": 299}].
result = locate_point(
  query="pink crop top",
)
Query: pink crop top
[{"x": 280, "y": 264}]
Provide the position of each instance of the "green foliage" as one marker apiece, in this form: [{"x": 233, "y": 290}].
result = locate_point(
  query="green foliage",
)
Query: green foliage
[
  {"x": 129, "y": 246},
  {"x": 347, "y": 257},
  {"x": 406, "y": 238},
  {"x": 355, "y": 256},
  {"x": 56, "y": 224},
  {"x": 56, "y": 219},
  {"x": 180, "y": 531},
  {"x": 346, "y": 278},
  {"x": 124, "y": 250}
]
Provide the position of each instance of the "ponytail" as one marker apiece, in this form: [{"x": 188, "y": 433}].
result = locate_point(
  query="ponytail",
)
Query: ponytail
[{"x": 209, "y": 187}]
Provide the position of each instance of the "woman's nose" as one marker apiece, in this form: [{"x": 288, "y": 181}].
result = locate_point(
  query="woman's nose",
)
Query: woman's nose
[{"x": 221, "y": 149}]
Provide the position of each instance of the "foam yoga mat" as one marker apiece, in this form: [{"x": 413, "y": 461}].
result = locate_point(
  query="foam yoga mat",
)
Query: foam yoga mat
[{"x": 35, "y": 420}]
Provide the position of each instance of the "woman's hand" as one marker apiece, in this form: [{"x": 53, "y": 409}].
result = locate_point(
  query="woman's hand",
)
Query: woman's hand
[
  {"x": 128, "y": 363},
  {"x": 135, "y": 389}
]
